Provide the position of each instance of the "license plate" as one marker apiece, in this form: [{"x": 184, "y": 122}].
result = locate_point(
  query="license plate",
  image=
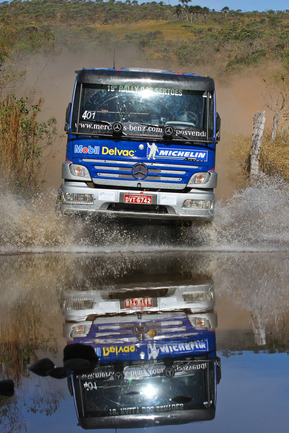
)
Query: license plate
[
  {"x": 138, "y": 303},
  {"x": 138, "y": 198}
]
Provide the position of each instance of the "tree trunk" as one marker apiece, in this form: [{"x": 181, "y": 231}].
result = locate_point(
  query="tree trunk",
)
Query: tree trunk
[{"x": 257, "y": 135}]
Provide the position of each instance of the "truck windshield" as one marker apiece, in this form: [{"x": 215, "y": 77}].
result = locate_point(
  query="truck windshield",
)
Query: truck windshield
[
  {"x": 142, "y": 110},
  {"x": 185, "y": 391}
]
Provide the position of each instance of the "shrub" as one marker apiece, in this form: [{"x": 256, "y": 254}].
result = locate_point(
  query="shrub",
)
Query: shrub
[{"x": 22, "y": 142}]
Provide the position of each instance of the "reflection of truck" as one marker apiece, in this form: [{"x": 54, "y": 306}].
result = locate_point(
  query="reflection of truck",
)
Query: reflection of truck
[
  {"x": 104, "y": 330},
  {"x": 141, "y": 144},
  {"x": 161, "y": 369},
  {"x": 79, "y": 305}
]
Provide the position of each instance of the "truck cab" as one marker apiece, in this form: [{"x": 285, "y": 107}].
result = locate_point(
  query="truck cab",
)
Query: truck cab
[{"x": 141, "y": 144}]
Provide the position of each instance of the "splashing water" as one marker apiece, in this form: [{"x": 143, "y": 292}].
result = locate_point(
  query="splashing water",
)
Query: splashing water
[
  {"x": 29, "y": 223},
  {"x": 254, "y": 218},
  {"x": 34, "y": 226}
]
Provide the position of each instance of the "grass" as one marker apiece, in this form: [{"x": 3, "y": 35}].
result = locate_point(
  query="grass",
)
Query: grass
[
  {"x": 171, "y": 31},
  {"x": 274, "y": 158}
]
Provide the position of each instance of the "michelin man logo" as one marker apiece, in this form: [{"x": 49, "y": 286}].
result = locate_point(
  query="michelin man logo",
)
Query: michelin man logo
[
  {"x": 153, "y": 150},
  {"x": 153, "y": 352}
]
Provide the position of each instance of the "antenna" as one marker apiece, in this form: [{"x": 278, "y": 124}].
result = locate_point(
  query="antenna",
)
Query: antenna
[{"x": 113, "y": 67}]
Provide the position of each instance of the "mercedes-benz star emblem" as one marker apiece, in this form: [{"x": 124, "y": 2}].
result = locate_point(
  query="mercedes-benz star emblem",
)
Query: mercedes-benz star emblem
[
  {"x": 139, "y": 171},
  {"x": 117, "y": 127}
]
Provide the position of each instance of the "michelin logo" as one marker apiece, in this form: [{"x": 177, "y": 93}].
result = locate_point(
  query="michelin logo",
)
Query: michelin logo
[
  {"x": 194, "y": 346},
  {"x": 177, "y": 153},
  {"x": 153, "y": 351},
  {"x": 153, "y": 150}
]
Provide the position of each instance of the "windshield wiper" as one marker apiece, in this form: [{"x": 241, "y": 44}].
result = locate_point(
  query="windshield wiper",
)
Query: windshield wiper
[{"x": 100, "y": 122}]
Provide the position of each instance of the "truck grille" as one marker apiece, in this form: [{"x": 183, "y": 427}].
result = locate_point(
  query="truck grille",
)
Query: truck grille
[
  {"x": 108, "y": 172},
  {"x": 111, "y": 333}
]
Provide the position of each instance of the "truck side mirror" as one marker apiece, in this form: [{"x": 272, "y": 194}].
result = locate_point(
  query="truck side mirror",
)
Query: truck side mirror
[
  {"x": 67, "y": 117},
  {"x": 218, "y": 127}
]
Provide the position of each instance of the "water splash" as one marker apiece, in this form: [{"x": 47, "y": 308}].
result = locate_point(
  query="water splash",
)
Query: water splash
[
  {"x": 34, "y": 226},
  {"x": 30, "y": 223},
  {"x": 255, "y": 218}
]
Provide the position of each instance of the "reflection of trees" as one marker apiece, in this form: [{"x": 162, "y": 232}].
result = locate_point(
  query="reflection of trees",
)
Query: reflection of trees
[
  {"x": 11, "y": 418},
  {"x": 28, "y": 315},
  {"x": 235, "y": 342},
  {"x": 45, "y": 400},
  {"x": 20, "y": 337},
  {"x": 28, "y": 323},
  {"x": 44, "y": 405},
  {"x": 259, "y": 327},
  {"x": 258, "y": 284}
]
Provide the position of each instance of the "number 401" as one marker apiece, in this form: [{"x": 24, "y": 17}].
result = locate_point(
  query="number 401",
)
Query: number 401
[{"x": 88, "y": 115}]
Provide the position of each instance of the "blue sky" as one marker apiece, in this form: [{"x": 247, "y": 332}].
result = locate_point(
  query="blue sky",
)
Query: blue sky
[{"x": 244, "y": 5}]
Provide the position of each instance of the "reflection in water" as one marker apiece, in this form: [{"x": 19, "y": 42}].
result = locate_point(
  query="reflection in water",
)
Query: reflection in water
[
  {"x": 149, "y": 318},
  {"x": 6, "y": 388},
  {"x": 154, "y": 370},
  {"x": 27, "y": 287},
  {"x": 78, "y": 305},
  {"x": 258, "y": 283},
  {"x": 146, "y": 394},
  {"x": 156, "y": 349}
]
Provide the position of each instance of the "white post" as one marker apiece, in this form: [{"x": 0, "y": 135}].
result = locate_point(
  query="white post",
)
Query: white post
[
  {"x": 275, "y": 125},
  {"x": 257, "y": 135}
]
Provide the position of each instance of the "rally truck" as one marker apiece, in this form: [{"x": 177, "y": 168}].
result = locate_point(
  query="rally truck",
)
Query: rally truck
[
  {"x": 160, "y": 369},
  {"x": 141, "y": 144}
]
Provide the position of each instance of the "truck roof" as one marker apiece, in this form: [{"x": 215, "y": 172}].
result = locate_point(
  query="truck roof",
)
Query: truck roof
[{"x": 145, "y": 76}]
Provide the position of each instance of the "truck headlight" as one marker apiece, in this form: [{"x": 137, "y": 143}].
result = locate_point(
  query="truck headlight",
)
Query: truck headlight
[
  {"x": 200, "y": 322},
  {"x": 198, "y": 204},
  {"x": 79, "y": 170},
  {"x": 199, "y": 179},
  {"x": 198, "y": 297},
  {"x": 79, "y": 304},
  {"x": 73, "y": 198},
  {"x": 80, "y": 331}
]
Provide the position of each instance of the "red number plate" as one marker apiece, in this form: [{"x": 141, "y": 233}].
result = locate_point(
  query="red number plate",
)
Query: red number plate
[
  {"x": 138, "y": 302},
  {"x": 138, "y": 198}
]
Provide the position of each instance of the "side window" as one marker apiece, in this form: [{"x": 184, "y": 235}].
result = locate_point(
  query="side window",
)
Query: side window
[
  {"x": 211, "y": 115},
  {"x": 75, "y": 108}
]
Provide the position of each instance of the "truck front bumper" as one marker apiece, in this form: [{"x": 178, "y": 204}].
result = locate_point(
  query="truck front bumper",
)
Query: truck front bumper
[{"x": 78, "y": 198}]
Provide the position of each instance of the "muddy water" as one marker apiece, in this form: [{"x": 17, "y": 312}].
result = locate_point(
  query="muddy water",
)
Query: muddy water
[{"x": 58, "y": 274}]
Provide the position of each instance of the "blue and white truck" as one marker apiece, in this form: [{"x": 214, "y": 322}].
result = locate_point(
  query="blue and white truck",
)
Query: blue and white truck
[{"x": 141, "y": 144}]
